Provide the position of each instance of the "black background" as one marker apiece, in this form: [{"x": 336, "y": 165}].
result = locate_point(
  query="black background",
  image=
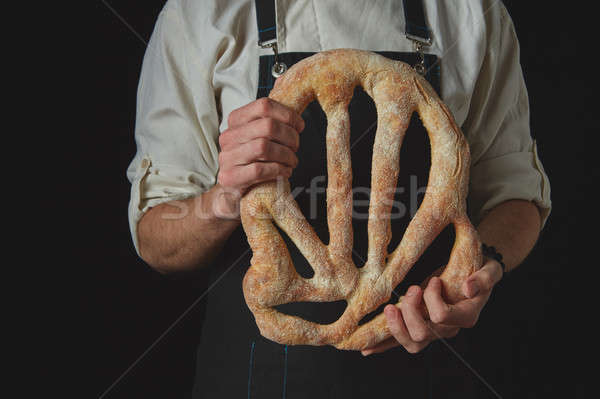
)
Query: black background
[{"x": 531, "y": 338}]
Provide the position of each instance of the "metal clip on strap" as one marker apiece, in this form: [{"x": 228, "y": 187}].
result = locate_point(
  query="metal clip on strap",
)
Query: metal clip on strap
[
  {"x": 267, "y": 32},
  {"x": 418, "y": 45},
  {"x": 278, "y": 68},
  {"x": 416, "y": 30}
]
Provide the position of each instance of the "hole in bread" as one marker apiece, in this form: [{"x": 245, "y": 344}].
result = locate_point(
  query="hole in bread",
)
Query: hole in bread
[
  {"x": 363, "y": 125},
  {"x": 302, "y": 266},
  {"x": 308, "y": 182},
  {"x": 415, "y": 162},
  {"x": 370, "y": 316},
  {"x": 434, "y": 257},
  {"x": 317, "y": 312}
]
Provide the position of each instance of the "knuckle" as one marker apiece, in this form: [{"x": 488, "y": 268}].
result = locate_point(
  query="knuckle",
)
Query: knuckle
[
  {"x": 232, "y": 118},
  {"x": 224, "y": 178},
  {"x": 407, "y": 305},
  {"x": 420, "y": 336},
  {"x": 223, "y": 139},
  {"x": 269, "y": 127},
  {"x": 261, "y": 147},
  {"x": 283, "y": 171},
  {"x": 256, "y": 170},
  {"x": 439, "y": 315},
  {"x": 222, "y": 159},
  {"x": 280, "y": 169},
  {"x": 287, "y": 118},
  {"x": 264, "y": 105}
]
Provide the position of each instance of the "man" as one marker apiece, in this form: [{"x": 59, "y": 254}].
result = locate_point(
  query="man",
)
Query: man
[{"x": 203, "y": 140}]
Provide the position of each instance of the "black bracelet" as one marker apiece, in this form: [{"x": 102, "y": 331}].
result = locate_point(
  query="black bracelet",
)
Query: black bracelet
[{"x": 491, "y": 252}]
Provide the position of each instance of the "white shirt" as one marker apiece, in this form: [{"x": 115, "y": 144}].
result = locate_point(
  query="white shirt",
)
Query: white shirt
[{"x": 202, "y": 63}]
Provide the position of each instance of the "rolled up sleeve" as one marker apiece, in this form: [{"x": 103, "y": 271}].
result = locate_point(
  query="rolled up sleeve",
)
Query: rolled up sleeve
[
  {"x": 176, "y": 129},
  {"x": 505, "y": 163},
  {"x": 518, "y": 175}
]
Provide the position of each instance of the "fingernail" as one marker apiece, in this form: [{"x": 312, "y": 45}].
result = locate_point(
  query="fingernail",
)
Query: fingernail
[
  {"x": 390, "y": 312},
  {"x": 412, "y": 291},
  {"x": 365, "y": 353}
]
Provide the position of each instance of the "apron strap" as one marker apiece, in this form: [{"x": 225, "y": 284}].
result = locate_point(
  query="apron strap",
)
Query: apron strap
[
  {"x": 413, "y": 14},
  {"x": 416, "y": 27},
  {"x": 267, "y": 32},
  {"x": 265, "y": 20}
]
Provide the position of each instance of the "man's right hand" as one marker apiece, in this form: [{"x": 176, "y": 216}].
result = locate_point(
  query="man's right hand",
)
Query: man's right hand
[{"x": 259, "y": 145}]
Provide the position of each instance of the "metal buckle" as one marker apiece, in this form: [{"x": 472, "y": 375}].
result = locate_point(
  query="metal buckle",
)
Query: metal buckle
[
  {"x": 418, "y": 44},
  {"x": 278, "y": 68}
]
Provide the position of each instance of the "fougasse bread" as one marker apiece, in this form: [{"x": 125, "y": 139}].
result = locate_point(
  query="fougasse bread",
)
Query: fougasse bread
[{"x": 330, "y": 78}]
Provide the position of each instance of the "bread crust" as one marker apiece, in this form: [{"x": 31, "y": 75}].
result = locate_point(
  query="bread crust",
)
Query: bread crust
[{"x": 397, "y": 91}]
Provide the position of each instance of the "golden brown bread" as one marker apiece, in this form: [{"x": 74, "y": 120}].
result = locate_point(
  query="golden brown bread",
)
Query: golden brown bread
[{"x": 397, "y": 91}]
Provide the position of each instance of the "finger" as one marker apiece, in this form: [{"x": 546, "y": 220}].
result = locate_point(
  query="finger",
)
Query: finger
[
  {"x": 468, "y": 310},
  {"x": 267, "y": 128},
  {"x": 381, "y": 347},
  {"x": 396, "y": 325},
  {"x": 442, "y": 331},
  {"x": 461, "y": 314},
  {"x": 439, "y": 311},
  {"x": 413, "y": 317},
  {"x": 399, "y": 330},
  {"x": 245, "y": 176},
  {"x": 483, "y": 280},
  {"x": 438, "y": 272},
  {"x": 258, "y": 150},
  {"x": 265, "y": 107}
]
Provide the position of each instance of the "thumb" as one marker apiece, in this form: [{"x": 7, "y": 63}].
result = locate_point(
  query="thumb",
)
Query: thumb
[
  {"x": 483, "y": 279},
  {"x": 471, "y": 288}
]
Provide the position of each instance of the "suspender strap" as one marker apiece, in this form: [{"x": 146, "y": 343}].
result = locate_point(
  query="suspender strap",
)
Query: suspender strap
[
  {"x": 267, "y": 32},
  {"x": 265, "y": 19},
  {"x": 416, "y": 28},
  {"x": 413, "y": 14}
]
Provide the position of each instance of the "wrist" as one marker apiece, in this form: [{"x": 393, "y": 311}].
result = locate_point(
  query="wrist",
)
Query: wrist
[
  {"x": 222, "y": 203},
  {"x": 227, "y": 203},
  {"x": 490, "y": 252}
]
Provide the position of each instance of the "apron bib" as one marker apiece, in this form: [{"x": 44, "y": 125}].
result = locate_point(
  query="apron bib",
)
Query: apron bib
[{"x": 234, "y": 361}]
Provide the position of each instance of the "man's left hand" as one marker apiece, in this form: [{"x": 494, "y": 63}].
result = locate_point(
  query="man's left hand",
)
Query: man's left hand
[{"x": 408, "y": 325}]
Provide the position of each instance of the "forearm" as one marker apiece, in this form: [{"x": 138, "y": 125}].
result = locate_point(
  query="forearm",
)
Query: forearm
[
  {"x": 186, "y": 235},
  {"x": 512, "y": 228}
]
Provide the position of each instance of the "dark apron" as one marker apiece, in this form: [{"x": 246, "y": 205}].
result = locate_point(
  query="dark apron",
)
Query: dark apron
[{"x": 235, "y": 361}]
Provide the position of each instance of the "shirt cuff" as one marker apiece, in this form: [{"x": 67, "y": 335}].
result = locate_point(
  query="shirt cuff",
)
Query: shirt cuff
[
  {"x": 518, "y": 175},
  {"x": 154, "y": 184}
]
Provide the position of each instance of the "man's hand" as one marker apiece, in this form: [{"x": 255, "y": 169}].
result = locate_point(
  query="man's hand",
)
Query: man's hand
[
  {"x": 411, "y": 330},
  {"x": 259, "y": 145}
]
